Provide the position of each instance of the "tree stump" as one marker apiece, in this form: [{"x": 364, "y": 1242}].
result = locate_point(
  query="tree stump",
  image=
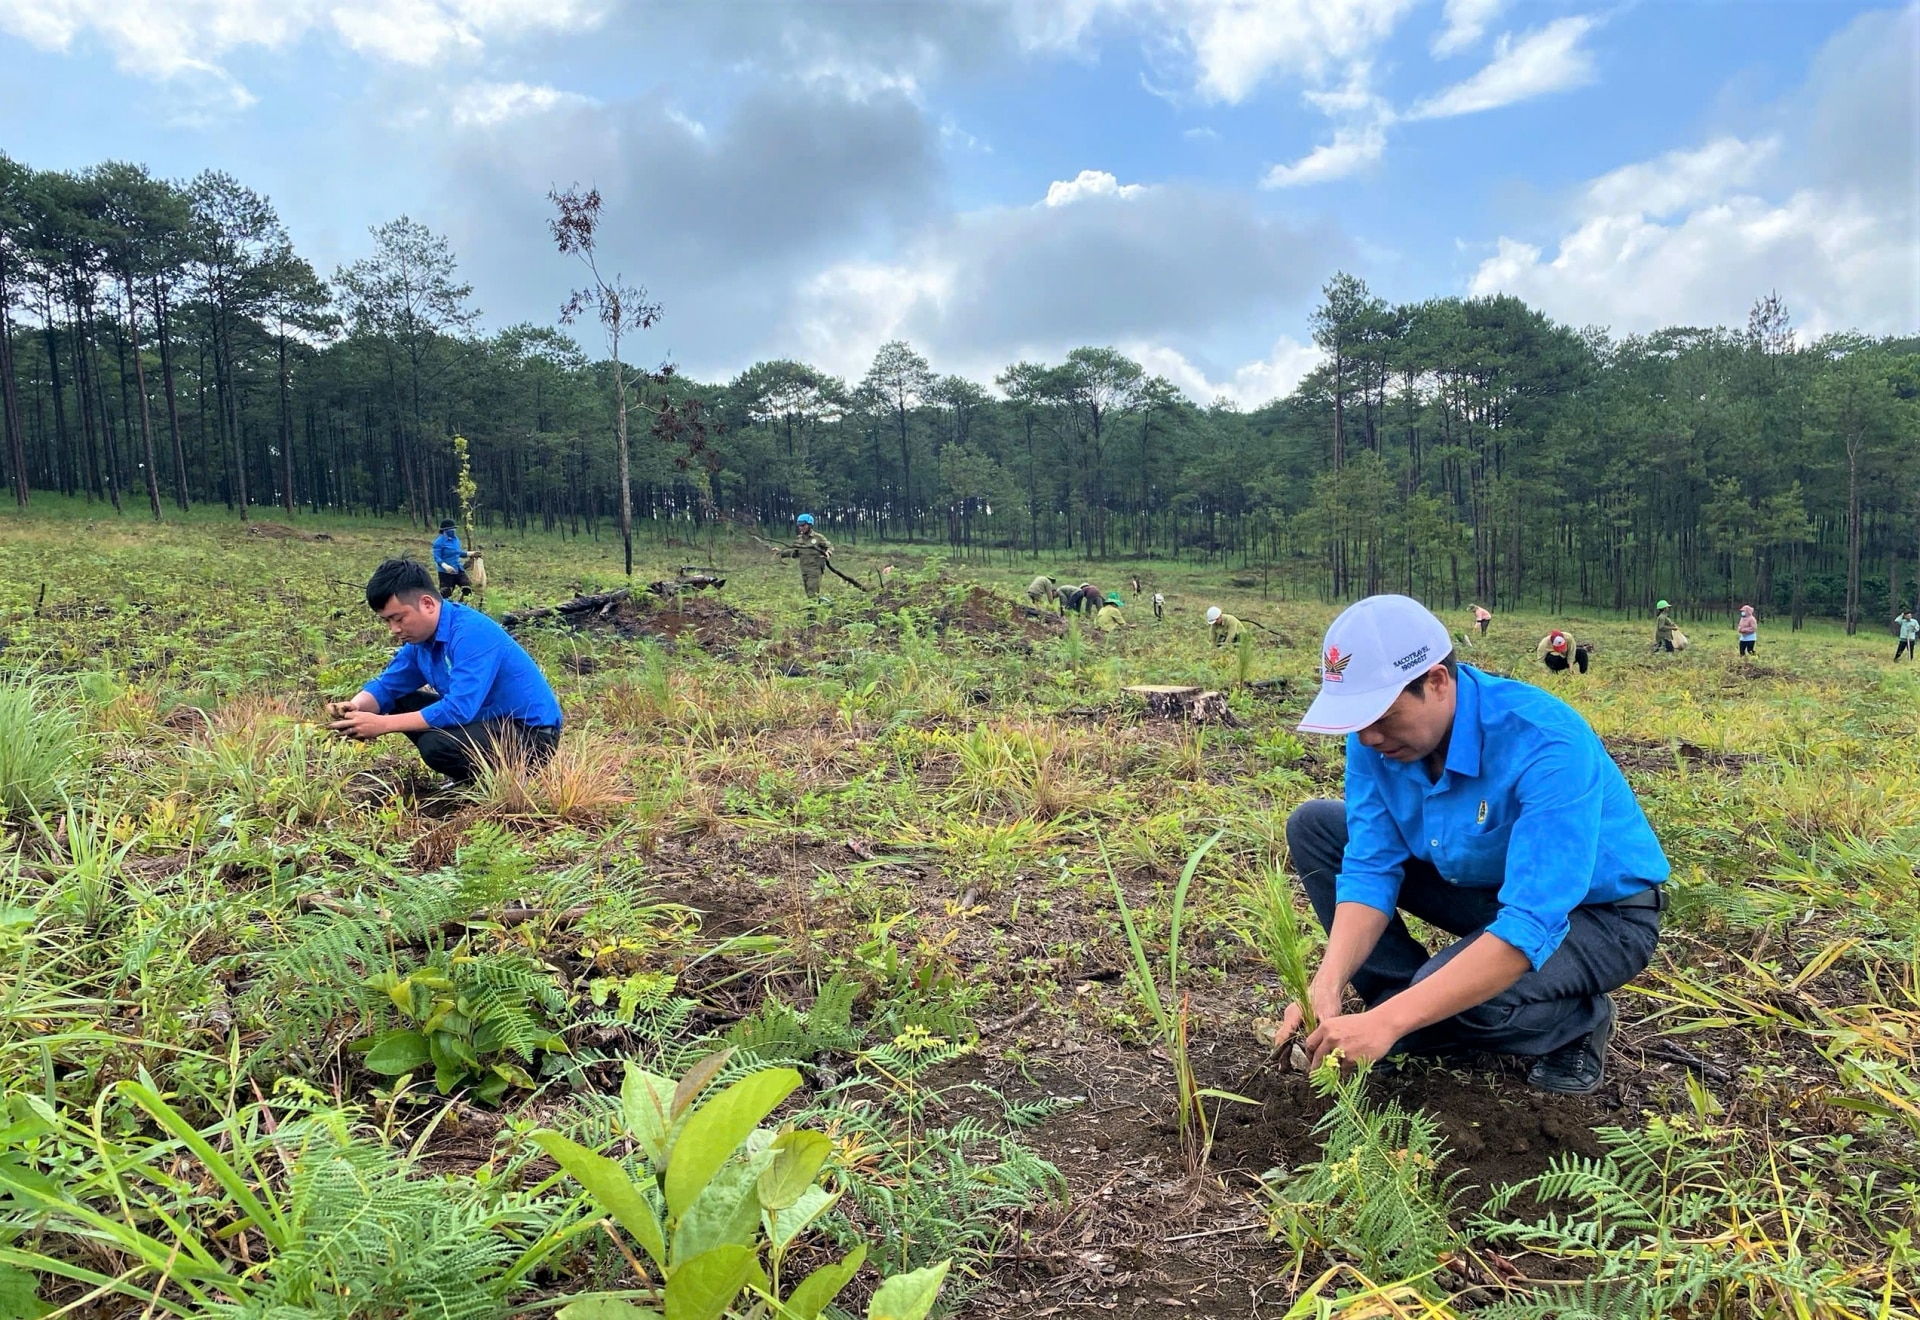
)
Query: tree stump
[{"x": 1193, "y": 704}]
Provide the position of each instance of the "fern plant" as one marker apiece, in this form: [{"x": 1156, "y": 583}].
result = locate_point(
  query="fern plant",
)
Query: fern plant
[
  {"x": 1685, "y": 1214},
  {"x": 465, "y": 1015},
  {"x": 1375, "y": 1196}
]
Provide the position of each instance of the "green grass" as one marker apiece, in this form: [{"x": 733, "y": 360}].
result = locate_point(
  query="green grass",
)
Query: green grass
[{"x": 876, "y": 795}]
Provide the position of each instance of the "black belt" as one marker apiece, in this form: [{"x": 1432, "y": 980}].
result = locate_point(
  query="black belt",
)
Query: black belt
[{"x": 1653, "y": 897}]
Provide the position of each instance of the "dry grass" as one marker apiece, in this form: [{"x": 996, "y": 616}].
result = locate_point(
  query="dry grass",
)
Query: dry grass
[{"x": 585, "y": 782}]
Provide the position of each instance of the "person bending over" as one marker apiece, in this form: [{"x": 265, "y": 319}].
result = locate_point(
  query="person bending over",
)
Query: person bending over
[
  {"x": 1489, "y": 808},
  {"x": 451, "y": 561},
  {"x": 460, "y": 689}
]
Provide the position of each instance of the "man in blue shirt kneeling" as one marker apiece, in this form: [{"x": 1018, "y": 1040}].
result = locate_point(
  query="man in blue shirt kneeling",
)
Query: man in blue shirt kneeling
[
  {"x": 1485, "y": 807},
  {"x": 460, "y": 689}
]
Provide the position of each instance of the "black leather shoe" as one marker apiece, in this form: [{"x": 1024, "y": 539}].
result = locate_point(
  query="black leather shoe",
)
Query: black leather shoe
[{"x": 1579, "y": 1066}]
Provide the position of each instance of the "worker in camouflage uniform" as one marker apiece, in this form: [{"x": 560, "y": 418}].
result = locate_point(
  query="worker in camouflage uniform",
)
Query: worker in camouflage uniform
[
  {"x": 1224, "y": 627},
  {"x": 812, "y": 550}
]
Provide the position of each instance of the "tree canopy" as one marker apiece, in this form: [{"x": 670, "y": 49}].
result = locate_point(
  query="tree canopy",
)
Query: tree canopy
[{"x": 162, "y": 341}]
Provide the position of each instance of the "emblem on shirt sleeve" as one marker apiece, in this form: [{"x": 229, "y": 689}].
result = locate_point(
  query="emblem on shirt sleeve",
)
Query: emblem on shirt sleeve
[{"x": 1336, "y": 665}]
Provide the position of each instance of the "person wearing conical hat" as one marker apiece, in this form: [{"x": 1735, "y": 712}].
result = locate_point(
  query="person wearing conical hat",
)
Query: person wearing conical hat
[{"x": 1486, "y": 807}]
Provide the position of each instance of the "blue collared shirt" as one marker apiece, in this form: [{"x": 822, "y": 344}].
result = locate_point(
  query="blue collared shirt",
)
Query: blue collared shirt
[
  {"x": 446, "y": 552},
  {"x": 479, "y": 672},
  {"x": 1529, "y": 803}
]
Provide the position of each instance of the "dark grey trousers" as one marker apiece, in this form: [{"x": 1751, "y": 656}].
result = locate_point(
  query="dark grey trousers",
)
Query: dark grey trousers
[
  {"x": 1546, "y": 1008},
  {"x": 459, "y": 751}
]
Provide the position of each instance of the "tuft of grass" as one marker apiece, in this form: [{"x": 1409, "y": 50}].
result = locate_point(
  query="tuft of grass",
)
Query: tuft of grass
[
  {"x": 1272, "y": 928},
  {"x": 40, "y": 746},
  {"x": 584, "y": 782}
]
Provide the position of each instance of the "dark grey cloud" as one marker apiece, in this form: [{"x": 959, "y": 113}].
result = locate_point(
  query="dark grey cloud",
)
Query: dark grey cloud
[
  {"x": 717, "y": 220},
  {"x": 1168, "y": 260}
]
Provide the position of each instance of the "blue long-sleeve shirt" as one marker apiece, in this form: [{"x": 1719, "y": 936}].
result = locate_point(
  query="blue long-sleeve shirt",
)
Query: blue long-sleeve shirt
[
  {"x": 447, "y": 555},
  {"x": 1529, "y": 803},
  {"x": 479, "y": 672}
]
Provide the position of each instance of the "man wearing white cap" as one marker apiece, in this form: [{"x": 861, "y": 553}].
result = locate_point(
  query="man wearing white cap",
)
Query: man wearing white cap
[{"x": 1485, "y": 807}]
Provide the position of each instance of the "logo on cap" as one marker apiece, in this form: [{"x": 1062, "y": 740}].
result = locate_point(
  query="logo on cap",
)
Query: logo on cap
[
  {"x": 1412, "y": 658},
  {"x": 1336, "y": 666}
]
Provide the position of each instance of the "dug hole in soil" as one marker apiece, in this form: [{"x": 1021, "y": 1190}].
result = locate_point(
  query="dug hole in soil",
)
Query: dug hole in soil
[{"x": 1140, "y": 1236}]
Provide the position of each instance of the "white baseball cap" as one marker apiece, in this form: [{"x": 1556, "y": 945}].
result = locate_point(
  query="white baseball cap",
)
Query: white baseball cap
[
  {"x": 1213, "y": 613},
  {"x": 1373, "y": 650}
]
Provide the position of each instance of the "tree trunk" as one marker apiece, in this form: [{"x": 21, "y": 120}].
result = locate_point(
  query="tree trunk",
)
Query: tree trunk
[
  {"x": 10, "y": 401},
  {"x": 1853, "y": 535},
  {"x": 286, "y": 432},
  {"x": 140, "y": 378},
  {"x": 161, "y": 331}
]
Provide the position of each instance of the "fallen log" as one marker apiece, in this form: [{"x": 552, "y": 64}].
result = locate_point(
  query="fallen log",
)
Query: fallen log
[{"x": 601, "y": 601}]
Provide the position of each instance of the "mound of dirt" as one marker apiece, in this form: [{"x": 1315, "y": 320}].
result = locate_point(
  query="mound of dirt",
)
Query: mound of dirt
[
  {"x": 1648, "y": 756},
  {"x": 1494, "y": 1131},
  {"x": 975, "y": 611},
  {"x": 703, "y": 621}
]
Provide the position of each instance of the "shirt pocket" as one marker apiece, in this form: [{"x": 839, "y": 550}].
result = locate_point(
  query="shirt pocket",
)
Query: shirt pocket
[{"x": 1480, "y": 850}]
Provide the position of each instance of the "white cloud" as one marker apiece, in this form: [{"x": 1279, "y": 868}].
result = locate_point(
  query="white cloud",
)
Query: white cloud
[
  {"x": 1352, "y": 149},
  {"x": 1238, "y": 44},
  {"x": 1088, "y": 184},
  {"x": 1252, "y": 385},
  {"x": 1681, "y": 179},
  {"x": 1234, "y": 45},
  {"x": 1836, "y": 263},
  {"x": 166, "y": 39},
  {"x": 1467, "y": 22},
  {"x": 1824, "y": 211},
  {"x": 483, "y": 105},
  {"x": 1548, "y": 59}
]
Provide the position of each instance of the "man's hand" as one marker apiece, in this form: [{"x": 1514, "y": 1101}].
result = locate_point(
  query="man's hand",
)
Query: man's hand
[
  {"x": 355, "y": 723},
  {"x": 1326, "y": 1006},
  {"x": 1358, "y": 1036}
]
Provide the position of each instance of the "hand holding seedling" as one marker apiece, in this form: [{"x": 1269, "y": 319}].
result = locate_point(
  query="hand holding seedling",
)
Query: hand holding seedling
[
  {"x": 358, "y": 717},
  {"x": 1356, "y": 1037}
]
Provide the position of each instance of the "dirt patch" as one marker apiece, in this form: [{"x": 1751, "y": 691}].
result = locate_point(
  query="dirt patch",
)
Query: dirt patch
[
  {"x": 1647, "y": 756},
  {"x": 686, "y": 620}
]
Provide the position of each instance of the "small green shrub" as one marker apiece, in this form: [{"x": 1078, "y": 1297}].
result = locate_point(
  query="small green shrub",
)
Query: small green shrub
[{"x": 40, "y": 745}]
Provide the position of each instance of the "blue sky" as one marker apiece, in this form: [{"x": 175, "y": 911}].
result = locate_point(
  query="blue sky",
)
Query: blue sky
[{"x": 1004, "y": 179}]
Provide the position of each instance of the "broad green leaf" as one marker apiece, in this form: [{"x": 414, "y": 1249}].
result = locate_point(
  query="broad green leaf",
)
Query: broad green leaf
[
  {"x": 715, "y": 1130},
  {"x": 605, "y": 1308},
  {"x": 704, "y": 1287},
  {"x": 797, "y": 1157},
  {"x": 646, "y": 1104},
  {"x": 20, "y": 1294},
  {"x": 809, "y": 1299},
  {"x": 908, "y": 1296},
  {"x": 785, "y": 1225},
  {"x": 727, "y": 1210},
  {"x": 396, "y": 1052},
  {"x": 608, "y": 1183},
  {"x": 697, "y": 1079}
]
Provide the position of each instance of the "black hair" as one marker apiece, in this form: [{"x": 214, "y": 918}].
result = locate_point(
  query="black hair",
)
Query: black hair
[
  {"x": 1419, "y": 685},
  {"x": 446, "y": 524},
  {"x": 398, "y": 577}
]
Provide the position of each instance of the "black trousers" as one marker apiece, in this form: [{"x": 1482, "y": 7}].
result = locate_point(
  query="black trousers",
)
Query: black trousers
[
  {"x": 1747, "y": 645},
  {"x": 1558, "y": 663},
  {"x": 1548, "y": 1007},
  {"x": 1903, "y": 647},
  {"x": 460, "y": 751},
  {"x": 450, "y": 581}
]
